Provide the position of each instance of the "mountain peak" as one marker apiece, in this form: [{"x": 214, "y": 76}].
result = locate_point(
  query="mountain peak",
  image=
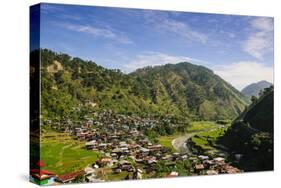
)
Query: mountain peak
[{"x": 254, "y": 88}]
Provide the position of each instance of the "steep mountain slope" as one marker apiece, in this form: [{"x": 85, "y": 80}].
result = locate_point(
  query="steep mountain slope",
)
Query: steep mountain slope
[
  {"x": 193, "y": 89},
  {"x": 72, "y": 87},
  {"x": 254, "y": 89},
  {"x": 251, "y": 134}
]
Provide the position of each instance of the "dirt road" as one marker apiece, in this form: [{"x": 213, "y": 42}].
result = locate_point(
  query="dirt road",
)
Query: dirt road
[{"x": 180, "y": 143}]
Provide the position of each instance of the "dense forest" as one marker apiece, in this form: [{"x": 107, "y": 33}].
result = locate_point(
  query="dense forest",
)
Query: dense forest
[
  {"x": 72, "y": 87},
  {"x": 251, "y": 134}
]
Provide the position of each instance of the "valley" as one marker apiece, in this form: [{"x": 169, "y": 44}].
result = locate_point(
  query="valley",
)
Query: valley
[
  {"x": 64, "y": 150},
  {"x": 99, "y": 124}
]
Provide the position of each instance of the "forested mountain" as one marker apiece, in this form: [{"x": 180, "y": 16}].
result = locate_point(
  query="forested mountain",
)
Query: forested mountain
[
  {"x": 251, "y": 134},
  {"x": 74, "y": 87},
  {"x": 192, "y": 89},
  {"x": 255, "y": 88}
]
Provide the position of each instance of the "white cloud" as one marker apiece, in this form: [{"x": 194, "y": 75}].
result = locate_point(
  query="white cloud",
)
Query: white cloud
[
  {"x": 260, "y": 42},
  {"x": 244, "y": 73},
  {"x": 155, "y": 59},
  {"x": 183, "y": 29},
  {"x": 164, "y": 23},
  {"x": 99, "y": 32},
  {"x": 263, "y": 24}
]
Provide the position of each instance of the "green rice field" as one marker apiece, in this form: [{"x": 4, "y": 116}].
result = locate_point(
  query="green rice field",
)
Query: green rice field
[{"x": 62, "y": 154}]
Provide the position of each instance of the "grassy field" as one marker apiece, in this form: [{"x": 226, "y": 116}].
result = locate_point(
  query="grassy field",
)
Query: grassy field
[
  {"x": 206, "y": 141},
  {"x": 62, "y": 154},
  {"x": 166, "y": 141},
  {"x": 198, "y": 126}
]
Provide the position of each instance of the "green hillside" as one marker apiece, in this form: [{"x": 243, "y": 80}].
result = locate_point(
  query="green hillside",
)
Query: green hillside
[
  {"x": 72, "y": 87},
  {"x": 193, "y": 89},
  {"x": 251, "y": 134}
]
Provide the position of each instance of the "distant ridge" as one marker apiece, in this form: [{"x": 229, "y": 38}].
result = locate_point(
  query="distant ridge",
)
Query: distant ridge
[{"x": 254, "y": 88}]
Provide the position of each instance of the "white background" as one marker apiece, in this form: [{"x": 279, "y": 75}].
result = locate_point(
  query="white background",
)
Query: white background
[{"x": 14, "y": 90}]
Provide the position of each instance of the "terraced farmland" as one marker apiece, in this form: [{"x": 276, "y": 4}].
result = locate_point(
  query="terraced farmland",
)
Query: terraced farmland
[{"x": 62, "y": 153}]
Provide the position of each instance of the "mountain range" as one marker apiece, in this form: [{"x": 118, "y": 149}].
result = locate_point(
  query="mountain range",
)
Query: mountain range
[{"x": 72, "y": 86}]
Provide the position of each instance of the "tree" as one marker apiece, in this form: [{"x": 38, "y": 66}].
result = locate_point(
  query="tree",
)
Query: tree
[{"x": 254, "y": 99}]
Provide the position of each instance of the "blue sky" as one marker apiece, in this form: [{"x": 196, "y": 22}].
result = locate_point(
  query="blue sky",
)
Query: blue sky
[{"x": 237, "y": 48}]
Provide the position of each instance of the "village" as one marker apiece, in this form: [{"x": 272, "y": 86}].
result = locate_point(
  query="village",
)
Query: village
[{"x": 124, "y": 147}]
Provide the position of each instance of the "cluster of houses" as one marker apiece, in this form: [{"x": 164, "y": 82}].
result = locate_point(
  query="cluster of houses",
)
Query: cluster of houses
[
  {"x": 121, "y": 140},
  {"x": 203, "y": 165},
  {"x": 123, "y": 147}
]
